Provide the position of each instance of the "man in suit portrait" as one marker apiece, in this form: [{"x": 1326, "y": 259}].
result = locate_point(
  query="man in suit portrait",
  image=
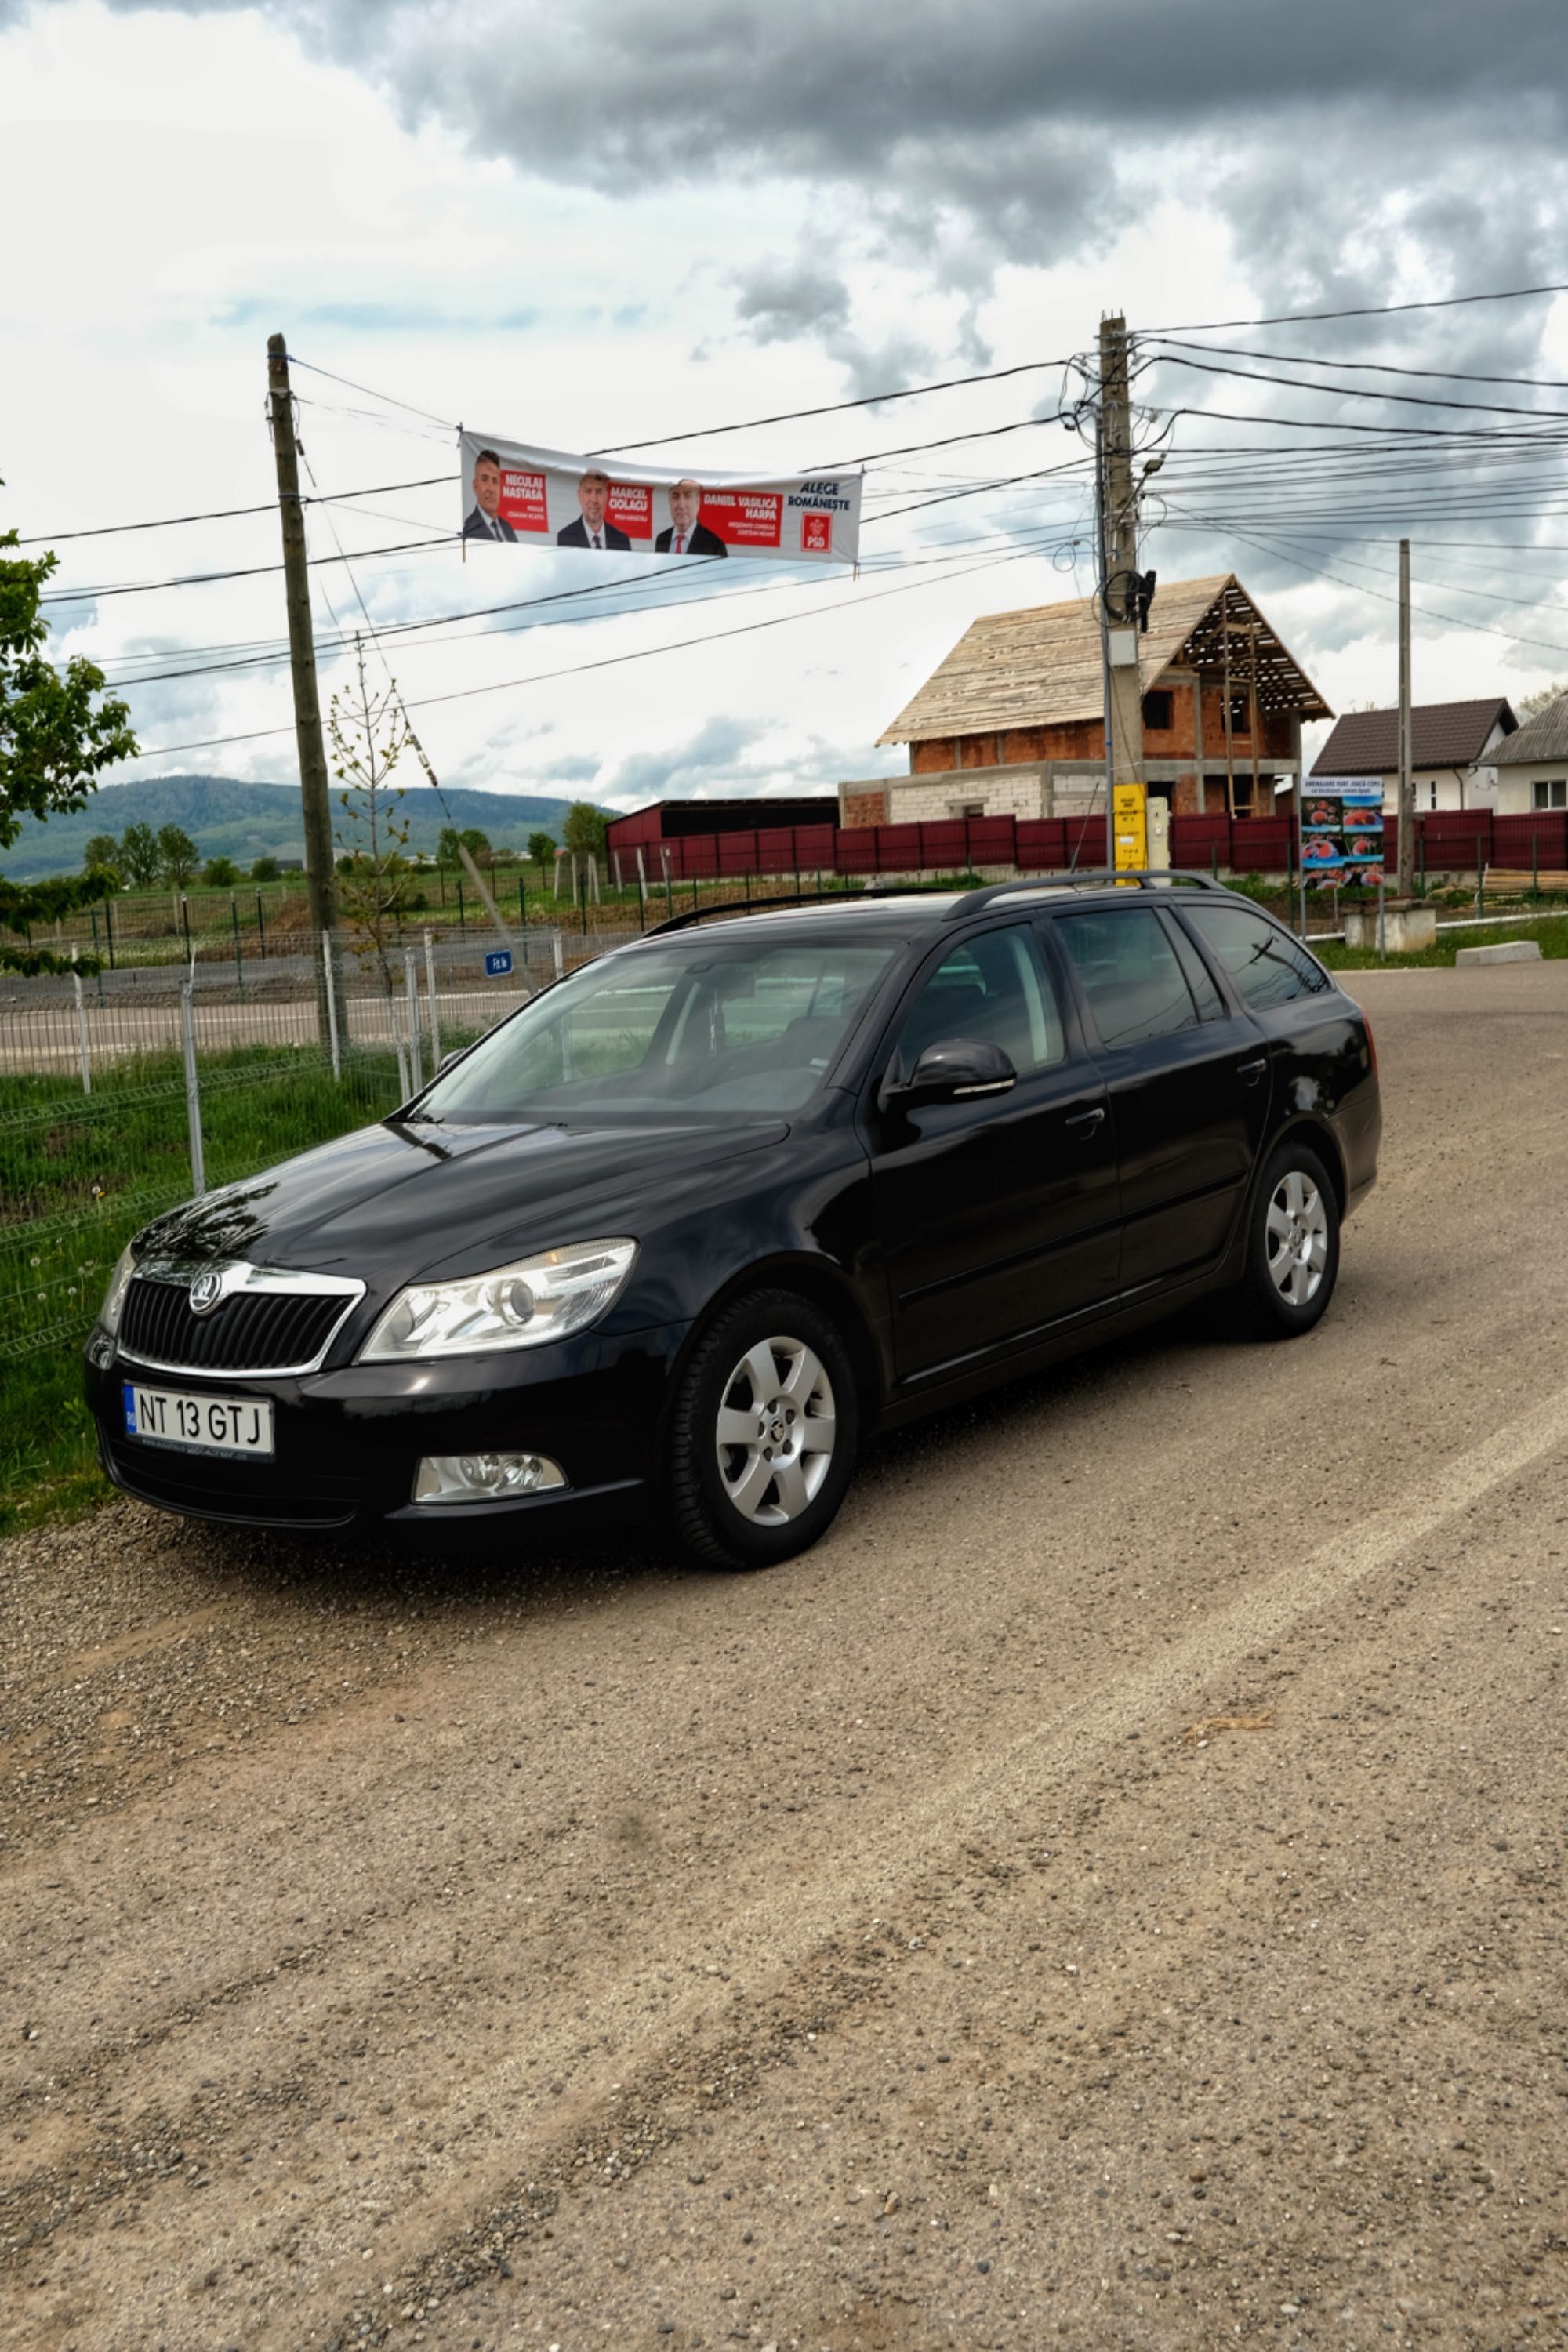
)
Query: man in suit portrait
[
  {"x": 591, "y": 529},
  {"x": 685, "y": 535},
  {"x": 487, "y": 520}
]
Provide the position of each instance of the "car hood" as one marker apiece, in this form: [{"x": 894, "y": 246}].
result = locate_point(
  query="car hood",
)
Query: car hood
[{"x": 398, "y": 1201}]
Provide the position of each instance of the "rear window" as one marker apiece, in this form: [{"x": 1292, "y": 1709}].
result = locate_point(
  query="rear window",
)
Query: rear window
[
  {"x": 1128, "y": 970},
  {"x": 1265, "y": 964}
]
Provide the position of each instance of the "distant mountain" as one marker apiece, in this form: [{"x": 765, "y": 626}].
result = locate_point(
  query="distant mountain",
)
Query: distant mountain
[{"x": 226, "y": 818}]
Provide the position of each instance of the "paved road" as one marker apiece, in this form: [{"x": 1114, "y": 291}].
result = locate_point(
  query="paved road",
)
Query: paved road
[{"x": 878, "y": 1953}]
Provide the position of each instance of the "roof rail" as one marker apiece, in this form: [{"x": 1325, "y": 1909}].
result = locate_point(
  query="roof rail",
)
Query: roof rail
[
  {"x": 791, "y": 898},
  {"x": 1147, "y": 878}
]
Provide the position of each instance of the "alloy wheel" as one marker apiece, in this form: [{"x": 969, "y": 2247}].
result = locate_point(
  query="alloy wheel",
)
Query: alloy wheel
[
  {"x": 1296, "y": 1238},
  {"x": 776, "y": 1430}
]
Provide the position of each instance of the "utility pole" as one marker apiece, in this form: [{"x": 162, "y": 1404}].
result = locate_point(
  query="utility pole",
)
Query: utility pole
[
  {"x": 314, "y": 793},
  {"x": 1119, "y": 586},
  {"x": 1405, "y": 887}
]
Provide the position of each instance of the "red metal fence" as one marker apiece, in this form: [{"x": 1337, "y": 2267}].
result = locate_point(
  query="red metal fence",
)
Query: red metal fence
[{"x": 1448, "y": 841}]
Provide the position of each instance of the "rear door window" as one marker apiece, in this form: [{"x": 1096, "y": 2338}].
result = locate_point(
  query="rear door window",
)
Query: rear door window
[{"x": 1130, "y": 973}]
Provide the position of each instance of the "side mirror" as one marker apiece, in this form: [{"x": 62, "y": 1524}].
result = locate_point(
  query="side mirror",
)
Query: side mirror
[
  {"x": 956, "y": 1069},
  {"x": 448, "y": 1059}
]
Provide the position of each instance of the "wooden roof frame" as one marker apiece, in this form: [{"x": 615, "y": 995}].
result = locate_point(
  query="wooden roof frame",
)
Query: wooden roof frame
[{"x": 1040, "y": 666}]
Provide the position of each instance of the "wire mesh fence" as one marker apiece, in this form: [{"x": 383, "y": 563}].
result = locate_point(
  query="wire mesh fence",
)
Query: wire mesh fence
[{"x": 124, "y": 1093}]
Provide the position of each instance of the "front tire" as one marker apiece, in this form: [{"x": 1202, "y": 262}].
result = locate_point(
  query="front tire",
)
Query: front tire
[
  {"x": 763, "y": 1434},
  {"x": 1294, "y": 1243}
]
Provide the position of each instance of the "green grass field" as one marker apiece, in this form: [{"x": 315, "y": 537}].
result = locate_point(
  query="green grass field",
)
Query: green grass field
[
  {"x": 78, "y": 1175},
  {"x": 1551, "y": 930}
]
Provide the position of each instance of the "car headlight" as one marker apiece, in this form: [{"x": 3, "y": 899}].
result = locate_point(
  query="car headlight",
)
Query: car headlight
[
  {"x": 114, "y": 1296},
  {"x": 522, "y": 1306}
]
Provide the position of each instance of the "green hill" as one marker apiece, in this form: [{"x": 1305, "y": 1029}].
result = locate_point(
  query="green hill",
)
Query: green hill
[{"x": 226, "y": 818}]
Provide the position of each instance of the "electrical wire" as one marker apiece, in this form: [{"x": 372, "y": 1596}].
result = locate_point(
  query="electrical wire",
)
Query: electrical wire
[
  {"x": 608, "y": 661},
  {"x": 1379, "y": 367},
  {"x": 1366, "y": 311},
  {"x": 228, "y": 514},
  {"x": 1353, "y": 391}
]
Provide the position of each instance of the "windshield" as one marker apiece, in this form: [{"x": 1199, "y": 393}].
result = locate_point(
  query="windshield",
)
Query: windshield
[{"x": 693, "y": 1030}]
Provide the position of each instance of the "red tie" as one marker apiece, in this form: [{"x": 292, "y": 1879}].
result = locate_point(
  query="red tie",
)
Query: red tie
[{"x": 680, "y": 543}]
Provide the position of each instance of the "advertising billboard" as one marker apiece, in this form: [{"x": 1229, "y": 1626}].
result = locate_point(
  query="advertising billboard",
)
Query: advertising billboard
[
  {"x": 517, "y": 496},
  {"x": 1341, "y": 833}
]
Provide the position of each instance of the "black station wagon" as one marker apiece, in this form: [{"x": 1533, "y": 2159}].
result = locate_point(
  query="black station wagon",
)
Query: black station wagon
[{"x": 702, "y": 1216}]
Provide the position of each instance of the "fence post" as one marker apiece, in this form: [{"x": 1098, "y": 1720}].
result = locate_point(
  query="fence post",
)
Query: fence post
[
  {"x": 434, "y": 1009},
  {"x": 1535, "y": 866},
  {"x": 333, "y": 1005},
  {"x": 1382, "y": 932},
  {"x": 1480, "y": 878},
  {"x": 81, "y": 1029},
  {"x": 642, "y": 893},
  {"x": 238, "y": 952},
  {"x": 185, "y": 919},
  {"x": 403, "y": 1089},
  {"x": 559, "y": 956},
  {"x": 411, "y": 989},
  {"x": 462, "y": 913},
  {"x": 193, "y": 1085}
]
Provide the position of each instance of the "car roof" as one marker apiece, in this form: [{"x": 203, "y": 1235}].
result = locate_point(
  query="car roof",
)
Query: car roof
[{"x": 902, "y": 913}]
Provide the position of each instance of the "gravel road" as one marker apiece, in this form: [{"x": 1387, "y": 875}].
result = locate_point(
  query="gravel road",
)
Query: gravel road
[{"x": 1108, "y": 1894}]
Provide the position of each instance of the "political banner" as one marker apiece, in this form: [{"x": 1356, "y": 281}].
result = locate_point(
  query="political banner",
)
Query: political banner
[
  {"x": 517, "y": 496},
  {"x": 1341, "y": 832}
]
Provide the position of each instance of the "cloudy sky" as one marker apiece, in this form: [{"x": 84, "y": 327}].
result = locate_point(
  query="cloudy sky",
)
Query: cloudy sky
[{"x": 586, "y": 225}]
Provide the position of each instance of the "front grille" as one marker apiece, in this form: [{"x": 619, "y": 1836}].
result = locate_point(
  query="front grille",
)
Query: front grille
[
  {"x": 249, "y": 1331},
  {"x": 245, "y": 1491}
]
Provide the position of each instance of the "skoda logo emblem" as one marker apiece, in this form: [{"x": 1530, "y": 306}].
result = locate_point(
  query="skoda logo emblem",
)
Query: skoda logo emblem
[{"x": 205, "y": 1293}]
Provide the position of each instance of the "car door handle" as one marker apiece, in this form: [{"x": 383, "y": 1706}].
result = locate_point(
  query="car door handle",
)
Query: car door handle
[
  {"x": 1084, "y": 1122},
  {"x": 1252, "y": 1071}
]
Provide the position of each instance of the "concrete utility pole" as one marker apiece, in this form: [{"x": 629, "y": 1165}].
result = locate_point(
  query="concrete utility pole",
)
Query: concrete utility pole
[
  {"x": 314, "y": 792},
  {"x": 1118, "y": 501},
  {"x": 1407, "y": 883}
]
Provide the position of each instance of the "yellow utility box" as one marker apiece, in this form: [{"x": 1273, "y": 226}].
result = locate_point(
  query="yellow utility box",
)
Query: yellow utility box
[{"x": 1130, "y": 827}]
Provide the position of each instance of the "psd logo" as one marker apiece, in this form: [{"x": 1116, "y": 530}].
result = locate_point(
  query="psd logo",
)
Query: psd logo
[{"x": 816, "y": 534}]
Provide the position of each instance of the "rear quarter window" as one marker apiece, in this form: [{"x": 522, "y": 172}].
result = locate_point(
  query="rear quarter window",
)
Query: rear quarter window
[{"x": 1265, "y": 964}]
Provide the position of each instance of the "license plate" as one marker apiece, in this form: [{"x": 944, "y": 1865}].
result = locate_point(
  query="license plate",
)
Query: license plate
[{"x": 198, "y": 1425}]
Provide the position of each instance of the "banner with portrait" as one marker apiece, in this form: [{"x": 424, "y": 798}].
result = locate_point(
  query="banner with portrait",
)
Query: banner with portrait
[
  {"x": 1341, "y": 832},
  {"x": 517, "y": 496}
]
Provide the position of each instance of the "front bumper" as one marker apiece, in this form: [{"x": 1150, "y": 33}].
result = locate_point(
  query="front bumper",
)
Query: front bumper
[{"x": 348, "y": 1442}]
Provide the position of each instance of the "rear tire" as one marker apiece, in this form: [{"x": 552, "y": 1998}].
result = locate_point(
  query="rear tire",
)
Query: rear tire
[
  {"x": 1292, "y": 1245},
  {"x": 764, "y": 1433}
]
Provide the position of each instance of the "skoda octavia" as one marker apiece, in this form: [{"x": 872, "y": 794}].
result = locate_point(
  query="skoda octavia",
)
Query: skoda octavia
[{"x": 684, "y": 1230}]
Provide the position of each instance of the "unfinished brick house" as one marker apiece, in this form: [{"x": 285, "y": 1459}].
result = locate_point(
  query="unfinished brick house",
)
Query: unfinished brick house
[{"x": 1012, "y": 722}]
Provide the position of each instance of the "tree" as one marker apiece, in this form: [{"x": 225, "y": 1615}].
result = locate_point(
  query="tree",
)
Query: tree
[
  {"x": 102, "y": 850},
  {"x": 477, "y": 844},
  {"x": 220, "y": 873},
  {"x": 264, "y": 869},
  {"x": 139, "y": 855},
  {"x": 448, "y": 847},
  {"x": 542, "y": 849},
  {"x": 178, "y": 856},
  {"x": 583, "y": 831},
  {"x": 1530, "y": 705},
  {"x": 369, "y": 735},
  {"x": 58, "y": 732}
]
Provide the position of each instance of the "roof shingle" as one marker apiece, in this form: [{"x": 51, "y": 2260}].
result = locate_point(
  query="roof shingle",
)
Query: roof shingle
[{"x": 1442, "y": 735}]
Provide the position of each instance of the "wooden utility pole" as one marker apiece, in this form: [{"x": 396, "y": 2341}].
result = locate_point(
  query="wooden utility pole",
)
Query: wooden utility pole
[
  {"x": 1119, "y": 563},
  {"x": 1406, "y": 882},
  {"x": 314, "y": 792}
]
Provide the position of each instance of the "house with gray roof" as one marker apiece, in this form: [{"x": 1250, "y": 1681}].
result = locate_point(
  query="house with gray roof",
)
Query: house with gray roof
[
  {"x": 1533, "y": 765},
  {"x": 1454, "y": 752}
]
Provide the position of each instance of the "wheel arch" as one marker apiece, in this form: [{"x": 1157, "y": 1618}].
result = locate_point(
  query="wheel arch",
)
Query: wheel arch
[
  {"x": 827, "y": 1288},
  {"x": 1304, "y": 1128}
]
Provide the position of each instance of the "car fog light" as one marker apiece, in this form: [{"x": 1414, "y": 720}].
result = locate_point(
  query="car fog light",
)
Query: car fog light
[{"x": 484, "y": 1478}]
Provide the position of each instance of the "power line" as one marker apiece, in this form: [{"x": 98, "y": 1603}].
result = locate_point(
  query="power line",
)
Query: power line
[
  {"x": 1366, "y": 311},
  {"x": 228, "y": 514},
  {"x": 1379, "y": 367},
  {"x": 1354, "y": 392},
  {"x": 608, "y": 661},
  {"x": 371, "y": 394},
  {"x": 832, "y": 408},
  {"x": 245, "y": 571}
]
